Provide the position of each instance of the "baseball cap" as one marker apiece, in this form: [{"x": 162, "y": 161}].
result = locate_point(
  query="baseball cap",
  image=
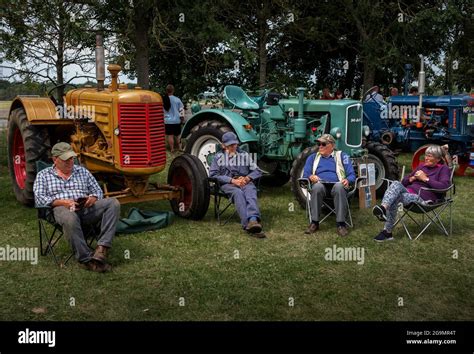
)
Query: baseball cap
[
  {"x": 229, "y": 138},
  {"x": 326, "y": 138},
  {"x": 63, "y": 151}
]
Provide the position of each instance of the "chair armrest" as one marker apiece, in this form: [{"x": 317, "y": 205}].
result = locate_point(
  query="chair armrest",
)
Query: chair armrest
[
  {"x": 45, "y": 212},
  {"x": 441, "y": 191},
  {"x": 304, "y": 183}
]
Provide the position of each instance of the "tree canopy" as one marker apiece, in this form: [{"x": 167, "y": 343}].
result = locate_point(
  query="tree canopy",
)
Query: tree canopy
[{"x": 341, "y": 44}]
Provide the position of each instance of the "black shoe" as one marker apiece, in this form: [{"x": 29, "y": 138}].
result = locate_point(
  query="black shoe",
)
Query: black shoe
[
  {"x": 380, "y": 212},
  {"x": 383, "y": 236}
]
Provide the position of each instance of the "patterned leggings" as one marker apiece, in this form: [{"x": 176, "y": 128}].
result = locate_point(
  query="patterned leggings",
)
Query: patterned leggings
[{"x": 396, "y": 194}]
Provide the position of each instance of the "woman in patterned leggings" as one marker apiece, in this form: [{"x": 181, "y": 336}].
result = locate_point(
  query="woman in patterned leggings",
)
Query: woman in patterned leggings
[{"x": 430, "y": 174}]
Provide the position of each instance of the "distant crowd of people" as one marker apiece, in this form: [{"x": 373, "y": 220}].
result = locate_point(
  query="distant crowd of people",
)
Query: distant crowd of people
[{"x": 374, "y": 94}]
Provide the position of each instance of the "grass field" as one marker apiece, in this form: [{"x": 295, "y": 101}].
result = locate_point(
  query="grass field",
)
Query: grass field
[{"x": 197, "y": 270}]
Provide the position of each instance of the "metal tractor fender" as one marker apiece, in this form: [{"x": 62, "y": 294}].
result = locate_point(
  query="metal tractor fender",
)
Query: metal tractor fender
[
  {"x": 239, "y": 124},
  {"x": 39, "y": 110}
]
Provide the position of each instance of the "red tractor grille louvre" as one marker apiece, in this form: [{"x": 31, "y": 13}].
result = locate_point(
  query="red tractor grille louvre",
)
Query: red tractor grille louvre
[{"x": 142, "y": 135}]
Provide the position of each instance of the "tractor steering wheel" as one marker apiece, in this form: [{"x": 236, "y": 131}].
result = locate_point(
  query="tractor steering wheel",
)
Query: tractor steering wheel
[
  {"x": 55, "y": 88},
  {"x": 369, "y": 91}
]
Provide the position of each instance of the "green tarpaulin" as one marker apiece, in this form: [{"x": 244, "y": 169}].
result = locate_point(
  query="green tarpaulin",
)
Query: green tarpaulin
[{"x": 141, "y": 220}]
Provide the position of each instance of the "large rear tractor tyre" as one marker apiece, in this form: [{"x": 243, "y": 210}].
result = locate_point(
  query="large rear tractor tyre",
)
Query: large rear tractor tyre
[
  {"x": 201, "y": 141},
  {"x": 386, "y": 165},
  {"x": 26, "y": 144},
  {"x": 297, "y": 172},
  {"x": 188, "y": 173}
]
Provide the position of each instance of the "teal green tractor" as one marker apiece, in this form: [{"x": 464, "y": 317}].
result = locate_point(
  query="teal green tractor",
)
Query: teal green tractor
[{"x": 283, "y": 133}]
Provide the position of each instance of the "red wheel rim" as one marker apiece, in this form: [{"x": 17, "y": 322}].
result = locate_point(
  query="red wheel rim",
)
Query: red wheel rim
[
  {"x": 18, "y": 159},
  {"x": 418, "y": 157},
  {"x": 181, "y": 179}
]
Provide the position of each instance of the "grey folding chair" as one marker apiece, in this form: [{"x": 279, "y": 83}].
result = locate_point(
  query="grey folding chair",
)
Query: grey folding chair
[
  {"x": 432, "y": 211},
  {"x": 328, "y": 202}
]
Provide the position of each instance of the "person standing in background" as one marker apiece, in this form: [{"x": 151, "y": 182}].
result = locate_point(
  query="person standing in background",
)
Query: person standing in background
[{"x": 173, "y": 119}]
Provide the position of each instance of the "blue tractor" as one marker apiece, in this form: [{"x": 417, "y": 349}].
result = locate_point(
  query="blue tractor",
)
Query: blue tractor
[{"x": 410, "y": 123}]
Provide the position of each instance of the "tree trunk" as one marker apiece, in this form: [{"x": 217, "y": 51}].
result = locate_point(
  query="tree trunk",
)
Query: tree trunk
[
  {"x": 369, "y": 75},
  {"x": 142, "y": 27},
  {"x": 60, "y": 65},
  {"x": 262, "y": 47}
]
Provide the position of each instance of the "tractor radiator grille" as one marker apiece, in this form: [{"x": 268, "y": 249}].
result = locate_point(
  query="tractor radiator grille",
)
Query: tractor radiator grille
[
  {"x": 142, "y": 135},
  {"x": 354, "y": 125}
]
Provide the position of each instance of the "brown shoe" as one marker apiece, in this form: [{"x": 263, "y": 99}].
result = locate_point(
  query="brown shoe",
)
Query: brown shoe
[
  {"x": 96, "y": 266},
  {"x": 253, "y": 227},
  {"x": 100, "y": 254},
  {"x": 342, "y": 231},
  {"x": 312, "y": 228}
]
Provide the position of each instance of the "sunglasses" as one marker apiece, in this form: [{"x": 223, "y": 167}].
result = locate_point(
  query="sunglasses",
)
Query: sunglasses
[{"x": 321, "y": 144}]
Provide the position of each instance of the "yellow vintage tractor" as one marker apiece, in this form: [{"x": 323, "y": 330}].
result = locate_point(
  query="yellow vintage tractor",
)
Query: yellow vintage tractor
[{"x": 118, "y": 134}]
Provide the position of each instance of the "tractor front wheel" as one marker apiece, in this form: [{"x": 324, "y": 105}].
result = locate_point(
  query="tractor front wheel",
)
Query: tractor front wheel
[
  {"x": 385, "y": 165},
  {"x": 26, "y": 145},
  {"x": 188, "y": 173},
  {"x": 201, "y": 141}
]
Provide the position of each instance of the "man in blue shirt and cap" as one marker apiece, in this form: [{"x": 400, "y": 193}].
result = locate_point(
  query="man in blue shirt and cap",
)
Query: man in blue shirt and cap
[
  {"x": 330, "y": 173},
  {"x": 235, "y": 171}
]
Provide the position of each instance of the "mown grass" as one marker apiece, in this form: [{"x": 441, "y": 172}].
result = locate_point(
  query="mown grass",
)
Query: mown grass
[{"x": 219, "y": 273}]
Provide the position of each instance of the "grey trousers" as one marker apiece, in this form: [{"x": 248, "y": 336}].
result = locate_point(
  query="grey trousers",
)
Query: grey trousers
[
  {"x": 339, "y": 194},
  {"x": 105, "y": 212},
  {"x": 245, "y": 200}
]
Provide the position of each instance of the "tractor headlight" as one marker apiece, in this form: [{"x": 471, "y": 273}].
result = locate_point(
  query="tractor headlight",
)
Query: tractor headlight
[
  {"x": 366, "y": 130},
  {"x": 116, "y": 131},
  {"x": 336, "y": 132}
]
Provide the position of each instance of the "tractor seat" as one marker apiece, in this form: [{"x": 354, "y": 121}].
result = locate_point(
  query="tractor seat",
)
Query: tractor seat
[{"x": 237, "y": 97}]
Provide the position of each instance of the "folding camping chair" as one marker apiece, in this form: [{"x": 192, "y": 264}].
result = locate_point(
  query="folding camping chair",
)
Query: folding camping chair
[
  {"x": 328, "y": 202},
  {"x": 432, "y": 210},
  {"x": 219, "y": 195},
  {"x": 46, "y": 221}
]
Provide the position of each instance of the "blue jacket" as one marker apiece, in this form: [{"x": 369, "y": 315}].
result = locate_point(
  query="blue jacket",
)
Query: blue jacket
[{"x": 224, "y": 167}]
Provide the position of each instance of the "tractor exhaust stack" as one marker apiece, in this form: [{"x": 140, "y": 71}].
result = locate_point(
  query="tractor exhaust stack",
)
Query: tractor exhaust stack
[
  {"x": 421, "y": 87},
  {"x": 99, "y": 61}
]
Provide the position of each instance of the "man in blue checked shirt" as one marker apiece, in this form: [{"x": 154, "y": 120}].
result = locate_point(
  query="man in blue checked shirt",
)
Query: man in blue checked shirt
[{"x": 76, "y": 198}]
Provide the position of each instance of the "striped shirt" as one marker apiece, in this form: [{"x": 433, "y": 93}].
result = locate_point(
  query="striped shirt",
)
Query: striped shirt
[{"x": 49, "y": 186}]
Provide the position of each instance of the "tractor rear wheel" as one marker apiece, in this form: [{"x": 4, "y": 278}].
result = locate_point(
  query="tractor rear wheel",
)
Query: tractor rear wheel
[
  {"x": 201, "y": 141},
  {"x": 26, "y": 144},
  {"x": 276, "y": 179},
  {"x": 188, "y": 173},
  {"x": 385, "y": 165},
  {"x": 297, "y": 172}
]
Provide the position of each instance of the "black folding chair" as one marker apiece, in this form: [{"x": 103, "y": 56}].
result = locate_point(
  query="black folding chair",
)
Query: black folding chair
[
  {"x": 50, "y": 232},
  {"x": 432, "y": 210},
  {"x": 328, "y": 201}
]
